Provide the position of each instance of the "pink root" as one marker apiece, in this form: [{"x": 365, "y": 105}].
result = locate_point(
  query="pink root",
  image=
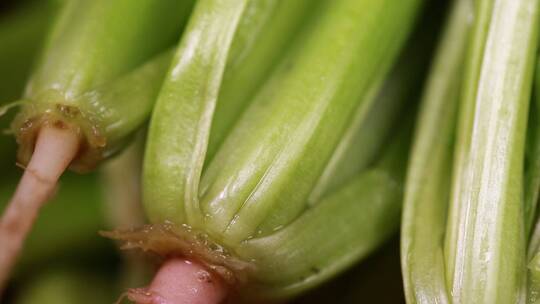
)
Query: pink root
[
  {"x": 54, "y": 150},
  {"x": 180, "y": 281}
]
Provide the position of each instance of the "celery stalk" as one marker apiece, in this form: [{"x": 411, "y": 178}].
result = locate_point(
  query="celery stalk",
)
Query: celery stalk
[
  {"x": 485, "y": 237},
  {"x": 264, "y": 35},
  {"x": 256, "y": 188},
  {"x": 181, "y": 122},
  {"x": 363, "y": 213},
  {"x": 532, "y": 167},
  {"x": 531, "y": 197},
  {"x": 533, "y": 295},
  {"x": 91, "y": 44},
  {"x": 260, "y": 38},
  {"x": 428, "y": 179},
  {"x": 261, "y": 178}
]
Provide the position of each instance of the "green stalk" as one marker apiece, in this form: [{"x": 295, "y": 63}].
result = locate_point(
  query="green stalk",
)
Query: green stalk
[
  {"x": 531, "y": 196},
  {"x": 91, "y": 44},
  {"x": 139, "y": 86},
  {"x": 134, "y": 93},
  {"x": 532, "y": 167},
  {"x": 485, "y": 238},
  {"x": 365, "y": 137},
  {"x": 532, "y": 173},
  {"x": 533, "y": 295},
  {"x": 67, "y": 118},
  {"x": 364, "y": 213},
  {"x": 428, "y": 179},
  {"x": 180, "y": 127},
  {"x": 263, "y": 36},
  {"x": 285, "y": 263},
  {"x": 273, "y": 159},
  {"x": 223, "y": 81},
  {"x": 256, "y": 188}
]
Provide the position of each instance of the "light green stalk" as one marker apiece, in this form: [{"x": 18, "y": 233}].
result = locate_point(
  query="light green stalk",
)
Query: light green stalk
[
  {"x": 429, "y": 175},
  {"x": 179, "y": 131},
  {"x": 533, "y": 295},
  {"x": 264, "y": 34},
  {"x": 92, "y": 44},
  {"x": 531, "y": 197},
  {"x": 366, "y": 136},
  {"x": 207, "y": 88},
  {"x": 532, "y": 167},
  {"x": 261, "y": 178},
  {"x": 256, "y": 189},
  {"x": 139, "y": 88},
  {"x": 342, "y": 228},
  {"x": 485, "y": 237}
]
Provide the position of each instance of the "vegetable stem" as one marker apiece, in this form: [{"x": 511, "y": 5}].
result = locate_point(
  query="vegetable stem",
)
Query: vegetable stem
[
  {"x": 427, "y": 187},
  {"x": 485, "y": 235}
]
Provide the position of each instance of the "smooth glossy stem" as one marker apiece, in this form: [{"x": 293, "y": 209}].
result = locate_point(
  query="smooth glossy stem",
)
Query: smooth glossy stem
[
  {"x": 180, "y": 281},
  {"x": 54, "y": 151}
]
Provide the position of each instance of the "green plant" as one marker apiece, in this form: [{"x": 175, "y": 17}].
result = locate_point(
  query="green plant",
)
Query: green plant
[
  {"x": 87, "y": 93},
  {"x": 266, "y": 194},
  {"x": 469, "y": 201},
  {"x": 428, "y": 179}
]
